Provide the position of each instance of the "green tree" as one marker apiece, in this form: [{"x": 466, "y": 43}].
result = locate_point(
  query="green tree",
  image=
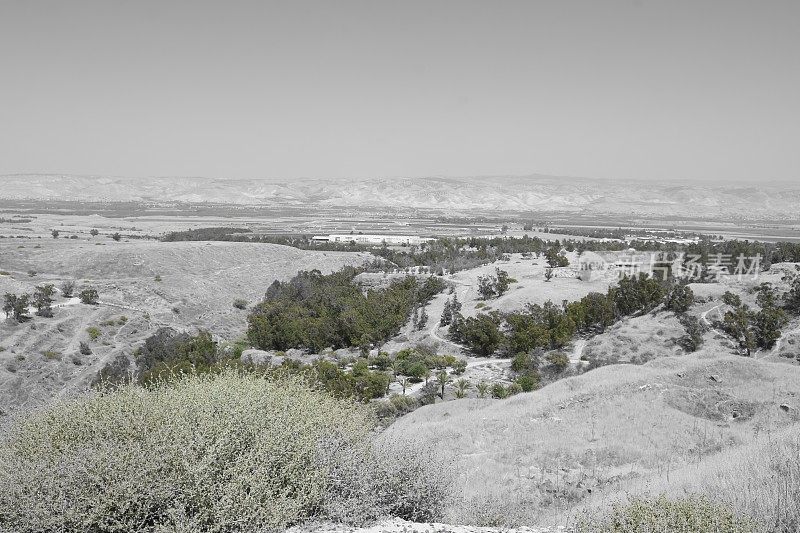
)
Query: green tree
[
  {"x": 89, "y": 296},
  {"x": 792, "y": 296},
  {"x": 767, "y": 295},
  {"x": 693, "y": 338},
  {"x": 442, "y": 379},
  {"x": 679, "y": 298},
  {"x": 422, "y": 321},
  {"x": 767, "y": 325},
  {"x": 731, "y": 299},
  {"x": 16, "y": 306},
  {"x": 482, "y": 333},
  {"x": 43, "y": 300},
  {"x": 502, "y": 282},
  {"x": 598, "y": 311},
  {"x": 736, "y": 323},
  {"x": 486, "y": 287},
  {"x": 555, "y": 259},
  {"x": 447, "y": 314}
]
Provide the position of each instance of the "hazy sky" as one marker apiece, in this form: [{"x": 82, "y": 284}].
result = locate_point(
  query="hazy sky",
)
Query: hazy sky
[{"x": 637, "y": 89}]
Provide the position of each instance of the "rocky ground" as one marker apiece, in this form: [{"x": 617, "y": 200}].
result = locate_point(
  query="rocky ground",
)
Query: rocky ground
[{"x": 403, "y": 526}]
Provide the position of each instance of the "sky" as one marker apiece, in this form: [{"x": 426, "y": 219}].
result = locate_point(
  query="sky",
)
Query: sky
[{"x": 673, "y": 89}]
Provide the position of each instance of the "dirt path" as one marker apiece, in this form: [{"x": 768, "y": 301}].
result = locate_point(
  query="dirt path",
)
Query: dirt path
[
  {"x": 577, "y": 352},
  {"x": 704, "y": 315}
]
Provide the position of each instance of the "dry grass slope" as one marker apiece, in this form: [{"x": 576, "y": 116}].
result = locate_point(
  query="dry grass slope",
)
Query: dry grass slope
[{"x": 536, "y": 457}]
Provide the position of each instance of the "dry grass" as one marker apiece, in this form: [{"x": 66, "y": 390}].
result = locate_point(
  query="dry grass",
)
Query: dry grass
[
  {"x": 637, "y": 340},
  {"x": 545, "y": 452},
  {"x": 760, "y": 480}
]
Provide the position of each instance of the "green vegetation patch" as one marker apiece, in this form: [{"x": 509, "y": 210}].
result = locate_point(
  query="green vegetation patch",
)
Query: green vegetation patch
[
  {"x": 315, "y": 311},
  {"x": 217, "y": 452},
  {"x": 664, "y": 515}
]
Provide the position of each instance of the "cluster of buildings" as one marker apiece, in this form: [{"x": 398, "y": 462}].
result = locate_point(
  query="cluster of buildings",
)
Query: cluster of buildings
[{"x": 373, "y": 239}]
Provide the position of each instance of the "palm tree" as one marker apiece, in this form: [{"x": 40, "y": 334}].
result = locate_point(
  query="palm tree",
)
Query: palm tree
[
  {"x": 462, "y": 385},
  {"x": 427, "y": 375},
  {"x": 443, "y": 378}
]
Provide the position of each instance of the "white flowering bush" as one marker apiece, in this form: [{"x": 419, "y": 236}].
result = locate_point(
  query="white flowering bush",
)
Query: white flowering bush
[{"x": 225, "y": 452}]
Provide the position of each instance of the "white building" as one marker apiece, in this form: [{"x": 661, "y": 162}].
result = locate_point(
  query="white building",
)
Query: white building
[{"x": 361, "y": 238}]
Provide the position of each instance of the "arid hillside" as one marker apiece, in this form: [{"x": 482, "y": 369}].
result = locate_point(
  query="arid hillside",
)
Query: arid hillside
[
  {"x": 142, "y": 285},
  {"x": 547, "y": 194},
  {"x": 537, "y": 457}
]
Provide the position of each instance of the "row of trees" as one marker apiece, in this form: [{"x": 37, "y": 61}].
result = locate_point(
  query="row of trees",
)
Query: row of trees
[
  {"x": 93, "y": 232},
  {"x": 315, "y": 311},
  {"x": 451, "y": 307},
  {"x": 16, "y": 306},
  {"x": 552, "y": 326},
  {"x": 449, "y": 254}
]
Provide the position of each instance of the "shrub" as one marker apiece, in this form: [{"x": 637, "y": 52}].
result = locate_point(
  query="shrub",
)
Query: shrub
[
  {"x": 224, "y": 452},
  {"x": 499, "y": 391},
  {"x": 94, "y": 332},
  {"x": 662, "y": 515},
  {"x": 67, "y": 289},
  {"x": 168, "y": 352},
  {"x": 89, "y": 296},
  {"x": 240, "y": 303},
  {"x": 51, "y": 355},
  {"x": 528, "y": 382},
  {"x": 557, "y": 362},
  {"x": 84, "y": 349}
]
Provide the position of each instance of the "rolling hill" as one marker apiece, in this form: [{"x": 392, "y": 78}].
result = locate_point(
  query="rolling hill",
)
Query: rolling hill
[{"x": 545, "y": 194}]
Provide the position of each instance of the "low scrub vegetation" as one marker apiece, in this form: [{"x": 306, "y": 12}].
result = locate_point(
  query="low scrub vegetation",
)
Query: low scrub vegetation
[
  {"x": 218, "y": 452},
  {"x": 664, "y": 515}
]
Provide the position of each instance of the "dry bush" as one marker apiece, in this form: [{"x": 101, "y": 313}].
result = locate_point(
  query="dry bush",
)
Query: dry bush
[
  {"x": 208, "y": 453},
  {"x": 663, "y": 515}
]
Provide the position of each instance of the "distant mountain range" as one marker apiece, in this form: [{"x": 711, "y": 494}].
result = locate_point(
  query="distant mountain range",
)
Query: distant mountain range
[{"x": 545, "y": 194}]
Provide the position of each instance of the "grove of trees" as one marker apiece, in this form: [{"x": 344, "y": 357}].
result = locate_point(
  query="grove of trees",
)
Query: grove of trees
[{"x": 315, "y": 311}]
